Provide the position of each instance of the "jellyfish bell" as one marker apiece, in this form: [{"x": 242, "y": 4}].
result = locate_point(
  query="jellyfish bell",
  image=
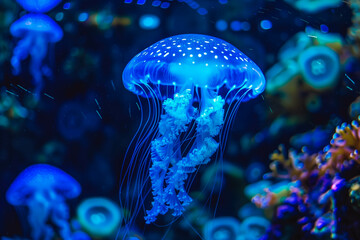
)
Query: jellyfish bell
[
  {"x": 193, "y": 76},
  {"x": 43, "y": 189},
  {"x": 38, "y": 6},
  {"x": 41, "y": 178},
  {"x": 35, "y": 31},
  {"x": 193, "y": 60},
  {"x": 36, "y": 23}
]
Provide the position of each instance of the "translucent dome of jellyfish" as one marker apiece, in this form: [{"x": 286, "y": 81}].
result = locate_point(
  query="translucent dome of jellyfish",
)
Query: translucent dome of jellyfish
[
  {"x": 35, "y": 31},
  {"x": 44, "y": 189},
  {"x": 186, "y": 79}
]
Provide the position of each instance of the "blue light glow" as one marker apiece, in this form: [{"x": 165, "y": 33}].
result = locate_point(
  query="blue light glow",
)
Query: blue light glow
[
  {"x": 83, "y": 17},
  {"x": 265, "y": 24},
  {"x": 235, "y": 25},
  {"x": 245, "y": 26},
  {"x": 165, "y": 5},
  {"x": 67, "y": 5},
  {"x": 221, "y": 25},
  {"x": 149, "y": 21},
  {"x": 324, "y": 28},
  {"x": 202, "y": 11},
  {"x": 59, "y": 16},
  {"x": 156, "y": 3}
]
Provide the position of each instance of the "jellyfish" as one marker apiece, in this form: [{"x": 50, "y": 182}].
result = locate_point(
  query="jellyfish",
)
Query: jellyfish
[
  {"x": 35, "y": 31},
  {"x": 187, "y": 79},
  {"x": 43, "y": 189},
  {"x": 99, "y": 217}
]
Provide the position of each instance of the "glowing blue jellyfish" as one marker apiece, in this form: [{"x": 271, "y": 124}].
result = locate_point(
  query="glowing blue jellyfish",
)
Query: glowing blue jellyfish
[
  {"x": 38, "y": 6},
  {"x": 194, "y": 75},
  {"x": 35, "y": 31},
  {"x": 43, "y": 189}
]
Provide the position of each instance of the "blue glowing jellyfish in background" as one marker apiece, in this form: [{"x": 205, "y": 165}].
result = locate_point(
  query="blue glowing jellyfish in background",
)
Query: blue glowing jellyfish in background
[
  {"x": 35, "y": 31},
  {"x": 187, "y": 79},
  {"x": 43, "y": 189}
]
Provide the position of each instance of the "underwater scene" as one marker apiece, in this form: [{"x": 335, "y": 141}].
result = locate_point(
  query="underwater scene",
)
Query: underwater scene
[{"x": 180, "y": 119}]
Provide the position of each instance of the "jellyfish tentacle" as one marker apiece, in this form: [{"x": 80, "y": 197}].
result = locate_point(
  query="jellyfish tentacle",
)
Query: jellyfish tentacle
[
  {"x": 36, "y": 47},
  {"x": 178, "y": 114},
  {"x": 38, "y": 214},
  {"x": 168, "y": 172},
  {"x": 20, "y": 52},
  {"x": 60, "y": 217},
  {"x": 209, "y": 124},
  {"x": 38, "y": 53}
]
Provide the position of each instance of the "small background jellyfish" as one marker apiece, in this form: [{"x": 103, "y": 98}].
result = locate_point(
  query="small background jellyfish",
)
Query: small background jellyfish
[
  {"x": 43, "y": 189},
  {"x": 35, "y": 31},
  {"x": 186, "y": 80}
]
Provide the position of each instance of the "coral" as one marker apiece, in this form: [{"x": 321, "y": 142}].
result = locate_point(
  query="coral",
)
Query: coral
[{"x": 323, "y": 193}]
